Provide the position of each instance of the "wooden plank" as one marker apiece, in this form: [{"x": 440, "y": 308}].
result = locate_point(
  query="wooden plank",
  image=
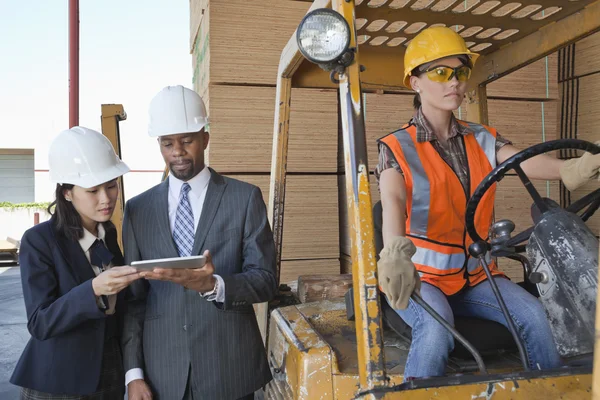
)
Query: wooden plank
[
  {"x": 311, "y": 220},
  {"x": 529, "y": 82},
  {"x": 588, "y": 108},
  {"x": 292, "y": 269},
  {"x": 313, "y": 143},
  {"x": 523, "y": 122},
  {"x": 385, "y": 113},
  {"x": 197, "y": 8},
  {"x": 17, "y": 152},
  {"x": 201, "y": 51},
  {"x": 323, "y": 287},
  {"x": 587, "y": 55},
  {"x": 542, "y": 42},
  {"x": 247, "y": 38},
  {"x": 242, "y": 129},
  {"x": 7, "y": 247}
]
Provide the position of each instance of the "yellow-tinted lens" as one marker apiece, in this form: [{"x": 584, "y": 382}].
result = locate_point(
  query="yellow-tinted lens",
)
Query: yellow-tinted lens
[
  {"x": 444, "y": 74},
  {"x": 463, "y": 73},
  {"x": 439, "y": 74}
]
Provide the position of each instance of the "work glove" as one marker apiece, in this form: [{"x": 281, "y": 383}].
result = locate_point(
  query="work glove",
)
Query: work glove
[
  {"x": 578, "y": 171},
  {"x": 398, "y": 276}
]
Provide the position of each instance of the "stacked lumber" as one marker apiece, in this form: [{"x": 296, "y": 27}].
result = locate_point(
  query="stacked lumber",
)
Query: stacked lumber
[
  {"x": 580, "y": 106},
  {"x": 236, "y": 46}
]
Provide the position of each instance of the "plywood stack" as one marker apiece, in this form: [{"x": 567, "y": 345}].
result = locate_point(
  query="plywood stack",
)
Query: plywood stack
[
  {"x": 522, "y": 106},
  {"x": 580, "y": 105},
  {"x": 236, "y": 46}
]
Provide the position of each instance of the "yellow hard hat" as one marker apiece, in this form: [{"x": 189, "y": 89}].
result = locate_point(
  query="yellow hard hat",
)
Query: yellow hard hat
[{"x": 432, "y": 44}]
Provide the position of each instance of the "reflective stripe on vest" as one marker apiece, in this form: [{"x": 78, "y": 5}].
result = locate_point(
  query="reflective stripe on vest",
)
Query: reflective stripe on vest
[
  {"x": 436, "y": 205},
  {"x": 486, "y": 140},
  {"x": 442, "y": 261},
  {"x": 421, "y": 188}
]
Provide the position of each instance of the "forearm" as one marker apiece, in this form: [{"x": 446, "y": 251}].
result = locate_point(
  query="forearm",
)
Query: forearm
[
  {"x": 394, "y": 220},
  {"x": 543, "y": 167},
  {"x": 393, "y": 202}
]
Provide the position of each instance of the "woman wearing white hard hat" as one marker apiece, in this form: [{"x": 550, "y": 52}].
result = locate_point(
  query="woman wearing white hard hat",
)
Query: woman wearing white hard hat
[{"x": 72, "y": 279}]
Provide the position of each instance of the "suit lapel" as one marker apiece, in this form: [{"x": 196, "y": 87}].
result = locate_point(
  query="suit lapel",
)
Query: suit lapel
[
  {"x": 214, "y": 193},
  {"x": 75, "y": 257},
  {"x": 161, "y": 204}
]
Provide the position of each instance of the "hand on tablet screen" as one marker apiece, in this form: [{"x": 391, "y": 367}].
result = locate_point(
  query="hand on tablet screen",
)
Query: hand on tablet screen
[{"x": 200, "y": 279}]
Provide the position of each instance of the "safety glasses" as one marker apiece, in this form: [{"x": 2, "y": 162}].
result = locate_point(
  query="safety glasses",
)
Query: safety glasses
[{"x": 442, "y": 73}]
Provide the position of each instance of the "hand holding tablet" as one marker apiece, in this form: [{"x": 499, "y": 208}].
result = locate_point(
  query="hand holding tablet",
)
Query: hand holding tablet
[{"x": 191, "y": 262}]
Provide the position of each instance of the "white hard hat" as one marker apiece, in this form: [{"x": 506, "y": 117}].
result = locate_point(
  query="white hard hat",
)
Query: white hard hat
[
  {"x": 175, "y": 110},
  {"x": 83, "y": 157}
]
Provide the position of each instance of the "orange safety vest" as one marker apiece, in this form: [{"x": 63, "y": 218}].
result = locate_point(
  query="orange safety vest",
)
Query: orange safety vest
[{"x": 436, "y": 205}]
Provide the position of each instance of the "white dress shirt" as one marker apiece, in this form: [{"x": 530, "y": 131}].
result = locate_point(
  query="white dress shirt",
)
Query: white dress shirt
[
  {"x": 86, "y": 242},
  {"x": 197, "y": 194}
]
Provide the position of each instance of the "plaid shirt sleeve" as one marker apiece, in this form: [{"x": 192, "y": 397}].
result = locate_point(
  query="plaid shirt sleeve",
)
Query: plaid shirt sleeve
[
  {"x": 501, "y": 141},
  {"x": 386, "y": 160}
]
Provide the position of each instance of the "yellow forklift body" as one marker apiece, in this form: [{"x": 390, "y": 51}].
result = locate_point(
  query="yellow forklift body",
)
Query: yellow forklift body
[{"x": 315, "y": 352}]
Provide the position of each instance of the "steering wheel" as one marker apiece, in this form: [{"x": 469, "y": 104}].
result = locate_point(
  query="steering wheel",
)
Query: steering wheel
[{"x": 591, "y": 201}]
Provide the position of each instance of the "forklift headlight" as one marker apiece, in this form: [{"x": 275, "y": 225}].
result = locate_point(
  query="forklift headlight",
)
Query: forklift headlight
[{"x": 323, "y": 36}]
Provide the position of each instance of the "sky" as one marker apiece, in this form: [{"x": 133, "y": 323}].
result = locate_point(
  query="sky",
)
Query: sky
[{"x": 129, "y": 50}]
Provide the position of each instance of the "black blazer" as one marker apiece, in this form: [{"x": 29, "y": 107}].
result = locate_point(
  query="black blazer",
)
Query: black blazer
[{"x": 64, "y": 354}]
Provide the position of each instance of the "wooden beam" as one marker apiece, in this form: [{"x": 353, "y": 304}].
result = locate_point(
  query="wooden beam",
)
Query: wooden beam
[
  {"x": 477, "y": 108},
  {"x": 323, "y": 287},
  {"x": 111, "y": 115},
  {"x": 537, "y": 45},
  {"x": 16, "y": 152}
]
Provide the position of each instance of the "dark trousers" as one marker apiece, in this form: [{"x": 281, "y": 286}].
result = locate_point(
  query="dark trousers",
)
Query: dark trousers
[{"x": 191, "y": 394}]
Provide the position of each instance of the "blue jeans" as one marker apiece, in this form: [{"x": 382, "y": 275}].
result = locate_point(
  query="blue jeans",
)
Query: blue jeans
[{"x": 432, "y": 343}]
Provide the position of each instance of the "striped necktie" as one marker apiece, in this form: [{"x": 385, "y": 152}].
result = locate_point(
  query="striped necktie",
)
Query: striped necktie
[{"x": 183, "y": 234}]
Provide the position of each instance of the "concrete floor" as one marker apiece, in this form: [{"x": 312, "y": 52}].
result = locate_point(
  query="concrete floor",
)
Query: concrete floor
[{"x": 13, "y": 328}]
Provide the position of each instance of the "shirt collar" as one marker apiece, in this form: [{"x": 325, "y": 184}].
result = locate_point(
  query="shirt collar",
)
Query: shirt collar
[
  {"x": 88, "y": 238},
  {"x": 425, "y": 131},
  {"x": 197, "y": 183}
]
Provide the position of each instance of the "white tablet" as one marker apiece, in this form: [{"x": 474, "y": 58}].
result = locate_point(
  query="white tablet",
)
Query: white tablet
[{"x": 176, "y": 262}]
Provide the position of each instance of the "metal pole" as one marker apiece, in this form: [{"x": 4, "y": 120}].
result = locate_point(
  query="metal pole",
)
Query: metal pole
[
  {"x": 369, "y": 334},
  {"x": 477, "y": 249},
  {"x": 73, "y": 63}
]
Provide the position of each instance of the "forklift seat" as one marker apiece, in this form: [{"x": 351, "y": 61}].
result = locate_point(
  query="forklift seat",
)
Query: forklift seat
[{"x": 485, "y": 335}]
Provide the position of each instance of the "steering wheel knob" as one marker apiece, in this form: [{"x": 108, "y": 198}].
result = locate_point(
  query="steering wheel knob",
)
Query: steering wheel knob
[
  {"x": 504, "y": 227},
  {"x": 478, "y": 249}
]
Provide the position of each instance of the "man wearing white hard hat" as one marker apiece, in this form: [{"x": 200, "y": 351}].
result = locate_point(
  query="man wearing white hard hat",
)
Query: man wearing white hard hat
[
  {"x": 73, "y": 278},
  {"x": 192, "y": 333}
]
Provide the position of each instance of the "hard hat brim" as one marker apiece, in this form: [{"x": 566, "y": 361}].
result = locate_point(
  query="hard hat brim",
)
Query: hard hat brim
[
  {"x": 94, "y": 179},
  {"x": 191, "y": 129}
]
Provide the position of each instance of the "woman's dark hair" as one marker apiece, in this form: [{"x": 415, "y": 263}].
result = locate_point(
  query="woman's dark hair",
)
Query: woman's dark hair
[
  {"x": 67, "y": 219},
  {"x": 465, "y": 60}
]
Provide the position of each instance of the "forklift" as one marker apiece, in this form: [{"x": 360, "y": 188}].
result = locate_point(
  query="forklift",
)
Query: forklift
[{"x": 357, "y": 347}]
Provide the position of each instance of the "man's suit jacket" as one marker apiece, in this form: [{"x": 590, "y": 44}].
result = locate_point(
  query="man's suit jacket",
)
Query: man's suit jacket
[
  {"x": 170, "y": 330},
  {"x": 64, "y": 354}
]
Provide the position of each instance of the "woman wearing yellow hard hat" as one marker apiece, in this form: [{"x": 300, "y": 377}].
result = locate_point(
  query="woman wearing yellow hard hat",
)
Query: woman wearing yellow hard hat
[{"x": 427, "y": 171}]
